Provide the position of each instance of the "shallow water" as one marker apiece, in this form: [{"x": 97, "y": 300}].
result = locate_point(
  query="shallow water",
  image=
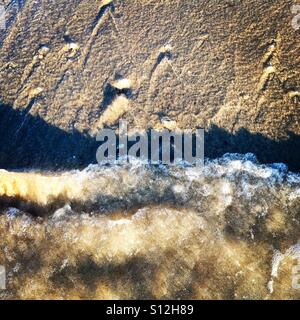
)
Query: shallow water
[{"x": 228, "y": 230}]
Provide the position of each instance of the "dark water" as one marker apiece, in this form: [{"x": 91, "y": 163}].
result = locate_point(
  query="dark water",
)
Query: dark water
[{"x": 228, "y": 230}]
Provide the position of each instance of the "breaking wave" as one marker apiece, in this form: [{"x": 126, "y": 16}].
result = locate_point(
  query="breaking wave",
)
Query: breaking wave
[{"x": 227, "y": 230}]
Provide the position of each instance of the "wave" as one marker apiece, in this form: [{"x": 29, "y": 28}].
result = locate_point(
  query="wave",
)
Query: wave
[{"x": 139, "y": 231}]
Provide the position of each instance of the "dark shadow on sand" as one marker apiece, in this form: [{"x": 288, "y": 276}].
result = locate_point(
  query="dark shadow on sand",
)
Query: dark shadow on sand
[{"x": 30, "y": 142}]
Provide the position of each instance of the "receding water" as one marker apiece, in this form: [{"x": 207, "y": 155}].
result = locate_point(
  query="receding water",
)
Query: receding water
[{"x": 228, "y": 230}]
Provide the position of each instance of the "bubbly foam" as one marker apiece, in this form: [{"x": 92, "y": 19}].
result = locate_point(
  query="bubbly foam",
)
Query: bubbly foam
[{"x": 138, "y": 231}]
